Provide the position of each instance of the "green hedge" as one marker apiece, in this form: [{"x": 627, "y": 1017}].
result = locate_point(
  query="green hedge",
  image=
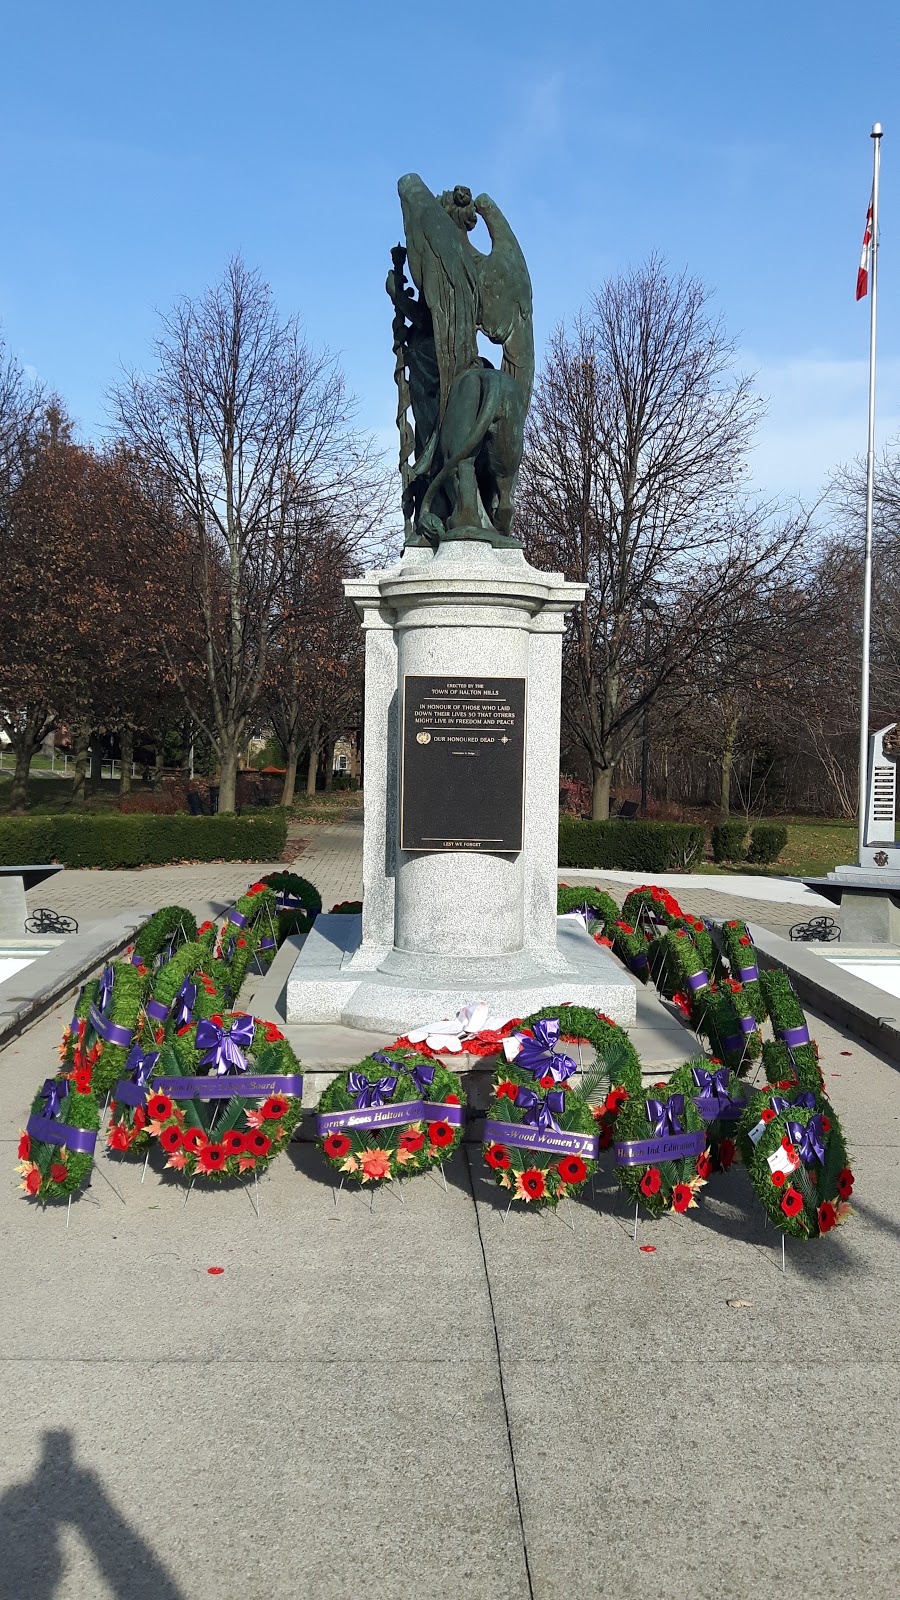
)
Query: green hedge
[
  {"x": 766, "y": 843},
  {"x": 629, "y": 846},
  {"x": 729, "y": 841},
  {"x": 113, "y": 840}
]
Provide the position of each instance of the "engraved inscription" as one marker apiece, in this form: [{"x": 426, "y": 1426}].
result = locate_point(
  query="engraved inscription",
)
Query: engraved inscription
[{"x": 463, "y": 764}]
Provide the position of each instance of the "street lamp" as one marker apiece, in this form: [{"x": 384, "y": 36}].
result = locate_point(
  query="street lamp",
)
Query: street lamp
[{"x": 648, "y": 608}]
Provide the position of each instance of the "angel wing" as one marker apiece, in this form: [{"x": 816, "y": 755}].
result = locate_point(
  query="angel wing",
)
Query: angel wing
[
  {"x": 442, "y": 268},
  {"x": 504, "y": 295}
]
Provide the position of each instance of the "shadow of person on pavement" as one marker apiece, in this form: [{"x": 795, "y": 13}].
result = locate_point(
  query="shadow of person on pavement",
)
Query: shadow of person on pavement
[{"x": 59, "y": 1493}]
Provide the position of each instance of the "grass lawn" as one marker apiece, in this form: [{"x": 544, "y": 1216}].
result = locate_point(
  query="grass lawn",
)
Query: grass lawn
[
  {"x": 815, "y": 846},
  {"x": 51, "y": 794}
]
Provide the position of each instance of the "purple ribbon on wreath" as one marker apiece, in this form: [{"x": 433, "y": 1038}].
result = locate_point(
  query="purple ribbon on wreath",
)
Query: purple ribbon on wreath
[
  {"x": 536, "y": 1055},
  {"x": 809, "y": 1139},
  {"x": 541, "y": 1111},
  {"x": 185, "y": 1001},
  {"x": 664, "y": 1115},
  {"x": 132, "y": 1089},
  {"x": 47, "y": 1125},
  {"x": 54, "y": 1091},
  {"x": 423, "y": 1077},
  {"x": 370, "y": 1094},
  {"x": 714, "y": 1097},
  {"x": 225, "y": 1047},
  {"x": 107, "y": 980},
  {"x": 806, "y": 1099}
]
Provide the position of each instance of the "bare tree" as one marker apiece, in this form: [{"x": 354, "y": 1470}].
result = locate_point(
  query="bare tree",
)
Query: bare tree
[
  {"x": 245, "y": 422},
  {"x": 635, "y": 446}
]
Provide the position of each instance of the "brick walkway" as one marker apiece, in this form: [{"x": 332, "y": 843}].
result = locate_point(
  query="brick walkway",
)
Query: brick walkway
[{"x": 777, "y": 916}]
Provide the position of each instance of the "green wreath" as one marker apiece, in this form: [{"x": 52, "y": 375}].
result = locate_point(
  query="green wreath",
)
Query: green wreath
[
  {"x": 540, "y": 1142},
  {"x": 393, "y": 1115},
  {"x": 792, "y": 1057},
  {"x": 570, "y": 898},
  {"x": 56, "y": 1149},
  {"x": 299, "y": 902},
  {"x": 661, "y": 1152},
  {"x": 106, "y": 1021},
  {"x": 740, "y": 953},
  {"x": 616, "y": 1069},
  {"x": 796, "y": 1158},
  {"x": 236, "y": 1133},
  {"x": 249, "y": 930},
  {"x": 724, "y": 1018},
  {"x": 658, "y": 904},
  {"x": 168, "y": 928},
  {"x": 719, "y": 1096}
]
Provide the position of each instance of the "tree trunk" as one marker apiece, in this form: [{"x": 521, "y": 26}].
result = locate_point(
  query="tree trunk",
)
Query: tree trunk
[
  {"x": 96, "y": 760},
  {"x": 602, "y": 786},
  {"x": 727, "y": 762},
  {"x": 312, "y": 766},
  {"x": 228, "y": 770},
  {"x": 82, "y": 741},
  {"x": 126, "y": 744},
  {"x": 290, "y": 772},
  {"x": 329, "y": 765},
  {"x": 187, "y": 739},
  {"x": 24, "y": 749}
]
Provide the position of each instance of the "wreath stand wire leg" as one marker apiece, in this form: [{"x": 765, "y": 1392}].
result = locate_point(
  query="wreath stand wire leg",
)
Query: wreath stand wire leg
[
  {"x": 782, "y": 1253},
  {"x": 634, "y": 1236},
  {"x": 117, "y": 1192},
  {"x": 188, "y": 1195},
  {"x": 146, "y": 1159},
  {"x": 68, "y": 1212},
  {"x": 398, "y": 1191},
  {"x": 444, "y": 1178}
]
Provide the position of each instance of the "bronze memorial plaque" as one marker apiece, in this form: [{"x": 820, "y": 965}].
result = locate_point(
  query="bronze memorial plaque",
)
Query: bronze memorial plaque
[{"x": 462, "y": 775}]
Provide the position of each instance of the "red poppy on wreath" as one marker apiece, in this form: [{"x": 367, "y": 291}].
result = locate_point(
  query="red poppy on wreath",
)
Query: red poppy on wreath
[
  {"x": 257, "y": 888},
  {"x": 170, "y": 1139},
  {"x": 411, "y": 1139},
  {"x": 194, "y": 1140},
  {"x": 33, "y": 1180},
  {"x": 778, "y": 1179},
  {"x": 119, "y": 1138},
  {"x": 241, "y": 943},
  {"x": 211, "y": 1158},
  {"x": 704, "y": 1166},
  {"x": 681, "y": 1196},
  {"x": 791, "y": 1203},
  {"x": 275, "y": 1107},
  {"x": 827, "y": 1216},
  {"x": 615, "y": 1100},
  {"x": 572, "y": 1169},
  {"x": 682, "y": 1002},
  {"x": 451, "y": 1100},
  {"x": 59, "y": 1172},
  {"x": 233, "y": 1142},
  {"x": 24, "y": 1147},
  {"x": 507, "y": 1088},
  {"x": 605, "y": 1138},
  {"x": 600, "y": 938},
  {"x": 531, "y": 1183},
  {"x": 273, "y": 1034},
  {"x": 216, "y": 1018},
  {"x": 440, "y": 1134},
  {"x": 651, "y": 1182},
  {"x": 826, "y": 1123},
  {"x": 767, "y": 1114},
  {"x": 845, "y": 1184},
  {"x": 743, "y": 939},
  {"x": 497, "y": 1157},
  {"x": 82, "y": 1076},
  {"x": 258, "y": 1144},
  {"x": 159, "y": 1106},
  {"x": 337, "y": 1145},
  {"x": 726, "y": 1153}
]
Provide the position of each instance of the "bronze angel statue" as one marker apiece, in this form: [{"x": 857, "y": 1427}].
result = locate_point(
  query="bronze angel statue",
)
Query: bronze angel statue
[{"x": 459, "y": 460}]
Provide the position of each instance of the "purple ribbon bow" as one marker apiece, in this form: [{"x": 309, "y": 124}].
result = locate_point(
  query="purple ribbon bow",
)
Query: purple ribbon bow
[
  {"x": 539, "y": 1110},
  {"x": 139, "y": 1066},
  {"x": 664, "y": 1115},
  {"x": 107, "y": 979},
  {"x": 422, "y": 1076},
  {"x": 806, "y": 1099},
  {"x": 370, "y": 1094},
  {"x": 536, "y": 1055},
  {"x": 54, "y": 1092},
  {"x": 184, "y": 1003},
  {"x": 225, "y": 1048},
  {"x": 808, "y": 1138},
  {"x": 713, "y": 1098}
]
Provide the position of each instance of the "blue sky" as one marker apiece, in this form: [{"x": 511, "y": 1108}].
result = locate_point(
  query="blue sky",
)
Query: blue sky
[{"x": 141, "y": 145}]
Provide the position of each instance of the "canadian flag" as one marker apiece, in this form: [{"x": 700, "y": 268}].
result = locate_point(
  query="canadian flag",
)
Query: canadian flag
[{"x": 862, "y": 276}]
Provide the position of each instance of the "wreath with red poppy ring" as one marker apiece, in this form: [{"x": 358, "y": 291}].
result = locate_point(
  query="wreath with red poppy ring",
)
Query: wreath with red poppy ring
[
  {"x": 225, "y": 1137},
  {"x": 661, "y": 1185},
  {"x": 53, "y": 1171},
  {"x": 539, "y": 1174},
  {"x": 378, "y": 1154},
  {"x": 805, "y": 1198}
]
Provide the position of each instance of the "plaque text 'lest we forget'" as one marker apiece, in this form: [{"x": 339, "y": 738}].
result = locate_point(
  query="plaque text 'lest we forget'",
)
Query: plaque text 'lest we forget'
[{"x": 462, "y": 776}]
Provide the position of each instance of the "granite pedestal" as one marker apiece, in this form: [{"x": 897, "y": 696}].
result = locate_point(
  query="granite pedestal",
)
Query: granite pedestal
[{"x": 446, "y": 926}]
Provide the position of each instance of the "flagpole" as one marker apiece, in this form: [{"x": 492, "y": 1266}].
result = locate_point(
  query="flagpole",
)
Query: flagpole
[{"x": 870, "y": 490}]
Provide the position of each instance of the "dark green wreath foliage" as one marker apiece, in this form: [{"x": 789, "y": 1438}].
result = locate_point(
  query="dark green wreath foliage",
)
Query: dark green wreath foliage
[
  {"x": 125, "y": 1007},
  {"x": 717, "y": 1018},
  {"x": 632, "y": 946},
  {"x": 79, "y": 1111},
  {"x": 171, "y": 924},
  {"x": 402, "y": 1162},
  {"x": 718, "y": 1129},
  {"x": 86, "y": 998},
  {"x": 615, "y": 1054},
  {"x": 684, "y": 960},
  {"x": 634, "y": 1124},
  {"x": 783, "y": 1063},
  {"x": 815, "y": 1183},
  {"x": 740, "y": 956},
  {"x": 650, "y": 901},
  {"x": 572, "y": 898},
  {"x": 508, "y": 1161},
  {"x": 294, "y": 920}
]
